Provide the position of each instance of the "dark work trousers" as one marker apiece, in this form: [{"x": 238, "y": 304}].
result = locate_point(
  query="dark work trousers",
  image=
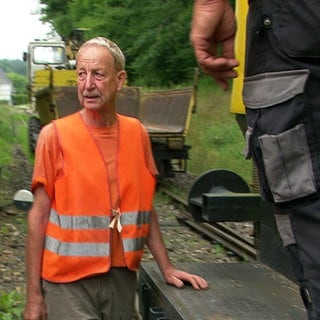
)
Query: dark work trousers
[
  {"x": 282, "y": 97},
  {"x": 108, "y": 296}
]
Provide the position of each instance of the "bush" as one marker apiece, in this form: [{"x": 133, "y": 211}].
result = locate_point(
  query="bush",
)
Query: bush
[
  {"x": 13, "y": 130},
  {"x": 18, "y": 99},
  {"x": 11, "y": 306}
]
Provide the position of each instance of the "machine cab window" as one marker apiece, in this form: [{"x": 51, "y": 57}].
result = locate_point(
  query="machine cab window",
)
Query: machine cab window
[{"x": 49, "y": 55}]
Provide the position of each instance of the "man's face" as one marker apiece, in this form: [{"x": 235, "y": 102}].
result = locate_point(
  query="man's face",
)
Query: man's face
[{"x": 98, "y": 79}]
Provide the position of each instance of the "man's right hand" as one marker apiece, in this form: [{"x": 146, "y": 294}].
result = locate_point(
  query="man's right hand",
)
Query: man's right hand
[
  {"x": 214, "y": 25},
  {"x": 35, "y": 309}
]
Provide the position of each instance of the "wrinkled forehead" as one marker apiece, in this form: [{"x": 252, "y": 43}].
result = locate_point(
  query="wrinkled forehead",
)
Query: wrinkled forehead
[
  {"x": 108, "y": 46},
  {"x": 94, "y": 53}
]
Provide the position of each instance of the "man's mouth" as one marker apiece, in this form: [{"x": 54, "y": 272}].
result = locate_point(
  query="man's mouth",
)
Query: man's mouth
[{"x": 91, "y": 97}]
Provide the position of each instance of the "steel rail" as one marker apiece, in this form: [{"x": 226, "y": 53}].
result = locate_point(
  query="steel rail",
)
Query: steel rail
[{"x": 220, "y": 232}]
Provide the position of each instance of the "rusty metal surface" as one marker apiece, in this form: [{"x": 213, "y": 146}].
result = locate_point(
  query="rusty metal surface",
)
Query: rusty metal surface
[
  {"x": 167, "y": 112},
  {"x": 66, "y": 101},
  {"x": 161, "y": 112},
  {"x": 128, "y": 102},
  {"x": 238, "y": 291}
]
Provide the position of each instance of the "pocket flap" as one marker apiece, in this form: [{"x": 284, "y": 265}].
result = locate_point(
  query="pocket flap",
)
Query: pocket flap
[{"x": 268, "y": 89}]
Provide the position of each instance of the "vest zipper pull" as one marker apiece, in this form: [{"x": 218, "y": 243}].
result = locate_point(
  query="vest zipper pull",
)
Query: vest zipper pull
[{"x": 116, "y": 219}]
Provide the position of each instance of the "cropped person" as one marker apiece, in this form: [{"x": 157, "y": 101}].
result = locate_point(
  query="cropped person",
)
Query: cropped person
[
  {"x": 93, "y": 185},
  {"x": 282, "y": 98}
]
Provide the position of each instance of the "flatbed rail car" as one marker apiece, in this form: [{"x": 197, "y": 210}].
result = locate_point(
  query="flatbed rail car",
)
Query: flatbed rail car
[
  {"x": 264, "y": 289},
  {"x": 165, "y": 114}
]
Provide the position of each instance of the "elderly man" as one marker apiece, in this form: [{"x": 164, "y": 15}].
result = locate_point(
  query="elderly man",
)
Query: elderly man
[{"x": 93, "y": 185}]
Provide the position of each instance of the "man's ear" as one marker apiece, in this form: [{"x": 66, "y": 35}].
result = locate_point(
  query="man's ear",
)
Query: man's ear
[{"x": 121, "y": 78}]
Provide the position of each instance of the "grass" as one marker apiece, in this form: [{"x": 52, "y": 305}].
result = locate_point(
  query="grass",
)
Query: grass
[
  {"x": 11, "y": 306},
  {"x": 216, "y": 139},
  {"x": 13, "y": 130}
]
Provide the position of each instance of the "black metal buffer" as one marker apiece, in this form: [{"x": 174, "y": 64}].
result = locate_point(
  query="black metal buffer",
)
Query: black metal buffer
[{"x": 221, "y": 195}]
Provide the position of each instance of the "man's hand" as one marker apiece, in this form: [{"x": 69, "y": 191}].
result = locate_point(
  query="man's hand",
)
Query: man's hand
[
  {"x": 214, "y": 25},
  {"x": 177, "y": 278},
  {"x": 35, "y": 309}
]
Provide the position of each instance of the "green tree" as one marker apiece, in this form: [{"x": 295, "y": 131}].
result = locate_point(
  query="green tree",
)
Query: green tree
[
  {"x": 56, "y": 13},
  {"x": 153, "y": 34}
]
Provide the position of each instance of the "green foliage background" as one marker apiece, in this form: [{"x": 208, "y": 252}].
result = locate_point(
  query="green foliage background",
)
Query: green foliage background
[
  {"x": 153, "y": 34},
  {"x": 13, "y": 130},
  {"x": 214, "y": 134}
]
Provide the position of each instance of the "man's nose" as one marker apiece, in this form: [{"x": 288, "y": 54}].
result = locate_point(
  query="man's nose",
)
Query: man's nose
[{"x": 89, "y": 81}]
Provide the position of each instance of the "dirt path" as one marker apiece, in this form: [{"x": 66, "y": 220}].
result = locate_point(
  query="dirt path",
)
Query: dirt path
[{"x": 13, "y": 223}]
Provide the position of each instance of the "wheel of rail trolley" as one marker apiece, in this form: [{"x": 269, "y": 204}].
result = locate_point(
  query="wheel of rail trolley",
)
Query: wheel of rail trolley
[
  {"x": 34, "y": 127},
  {"x": 214, "y": 181}
]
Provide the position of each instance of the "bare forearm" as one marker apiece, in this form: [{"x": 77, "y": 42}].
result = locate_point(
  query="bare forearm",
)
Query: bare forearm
[
  {"x": 156, "y": 245},
  {"x": 171, "y": 275},
  {"x": 35, "y": 307},
  {"x": 34, "y": 250},
  {"x": 37, "y": 224}
]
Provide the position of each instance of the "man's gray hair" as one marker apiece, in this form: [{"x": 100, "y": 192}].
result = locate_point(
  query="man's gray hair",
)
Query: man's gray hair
[{"x": 113, "y": 49}]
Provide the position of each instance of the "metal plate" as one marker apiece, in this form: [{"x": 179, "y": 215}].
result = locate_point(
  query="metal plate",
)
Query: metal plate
[{"x": 238, "y": 291}]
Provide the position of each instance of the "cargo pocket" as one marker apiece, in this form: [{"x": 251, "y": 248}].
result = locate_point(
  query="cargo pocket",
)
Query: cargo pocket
[
  {"x": 287, "y": 162},
  {"x": 278, "y": 142}
]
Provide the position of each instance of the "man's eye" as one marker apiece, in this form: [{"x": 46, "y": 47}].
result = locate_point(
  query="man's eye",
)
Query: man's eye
[
  {"x": 99, "y": 75},
  {"x": 81, "y": 75}
]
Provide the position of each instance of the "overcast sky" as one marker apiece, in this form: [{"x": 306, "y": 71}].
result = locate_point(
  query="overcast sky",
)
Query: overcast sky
[{"x": 19, "y": 25}]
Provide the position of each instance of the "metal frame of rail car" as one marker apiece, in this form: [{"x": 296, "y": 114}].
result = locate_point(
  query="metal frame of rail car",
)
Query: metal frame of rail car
[{"x": 243, "y": 291}]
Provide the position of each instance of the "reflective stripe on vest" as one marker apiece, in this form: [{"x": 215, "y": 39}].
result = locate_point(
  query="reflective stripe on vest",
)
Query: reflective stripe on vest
[
  {"x": 90, "y": 249},
  {"x": 88, "y": 223},
  {"x": 97, "y": 222},
  {"x": 76, "y": 249},
  {"x": 79, "y": 222},
  {"x": 133, "y": 244}
]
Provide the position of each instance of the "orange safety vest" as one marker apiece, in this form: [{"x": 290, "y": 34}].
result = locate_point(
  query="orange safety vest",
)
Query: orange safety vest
[{"x": 77, "y": 241}]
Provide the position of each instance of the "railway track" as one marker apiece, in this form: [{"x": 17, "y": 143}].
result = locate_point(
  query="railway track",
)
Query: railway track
[{"x": 240, "y": 244}]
